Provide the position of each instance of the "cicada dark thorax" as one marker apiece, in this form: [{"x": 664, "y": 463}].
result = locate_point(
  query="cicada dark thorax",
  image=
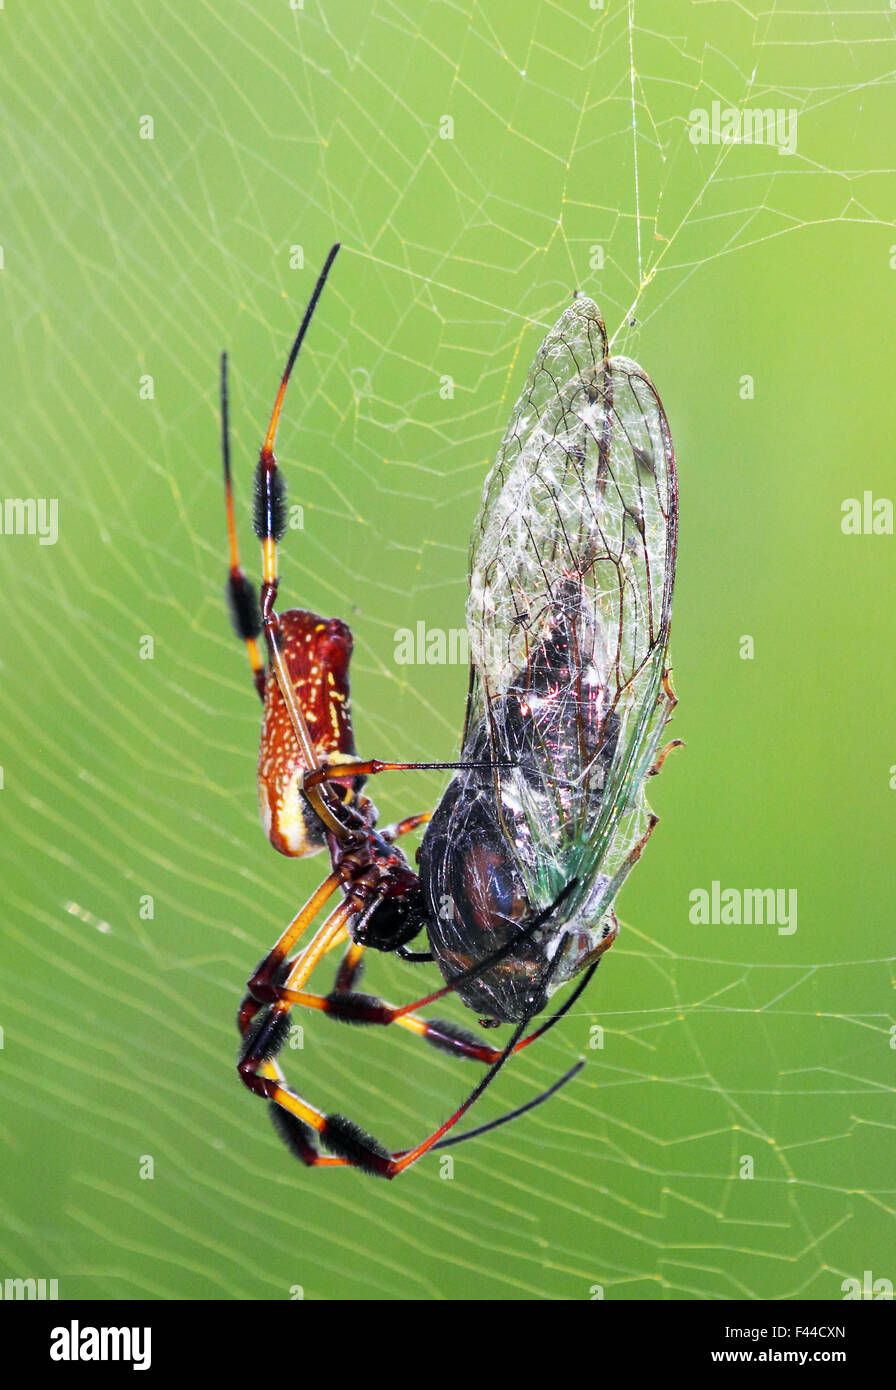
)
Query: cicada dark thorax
[
  {"x": 479, "y": 855},
  {"x": 317, "y": 652}
]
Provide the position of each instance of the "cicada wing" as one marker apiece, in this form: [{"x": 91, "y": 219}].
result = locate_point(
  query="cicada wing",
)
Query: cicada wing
[{"x": 571, "y": 571}]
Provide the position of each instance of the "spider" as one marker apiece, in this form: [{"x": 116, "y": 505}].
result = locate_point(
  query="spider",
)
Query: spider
[{"x": 506, "y": 920}]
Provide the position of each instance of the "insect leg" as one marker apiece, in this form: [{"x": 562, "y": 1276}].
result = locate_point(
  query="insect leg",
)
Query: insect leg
[
  {"x": 668, "y": 688},
  {"x": 658, "y": 765}
]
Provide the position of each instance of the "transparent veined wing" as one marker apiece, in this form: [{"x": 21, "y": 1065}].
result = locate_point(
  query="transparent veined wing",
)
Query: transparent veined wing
[{"x": 572, "y": 565}]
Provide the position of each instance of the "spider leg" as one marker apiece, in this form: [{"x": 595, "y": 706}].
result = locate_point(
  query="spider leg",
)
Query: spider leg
[
  {"x": 372, "y": 766},
  {"x": 513, "y": 1114},
  {"x": 265, "y": 991},
  {"x": 270, "y": 1034},
  {"x": 300, "y": 1124},
  {"x": 350, "y": 1146},
  {"x": 404, "y": 1158},
  {"x": 270, "y": 523},
  {"x": 270, "y": 515},
  {"x": 268, "y": 968},
  {"x": 403, "y": 827},
  {"x": 349, "y": 968},
  {"x": 241, "y": 596},
  {"x": 271, "y": 963},
  {"x": 263, "y": 1038},
  {"x": 349, "y": 1007},
  {"x": 299, "y": 1136}
]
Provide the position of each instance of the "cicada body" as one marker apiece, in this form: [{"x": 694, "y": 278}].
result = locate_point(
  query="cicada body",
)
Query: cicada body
[{"x": 571, "y": 573}]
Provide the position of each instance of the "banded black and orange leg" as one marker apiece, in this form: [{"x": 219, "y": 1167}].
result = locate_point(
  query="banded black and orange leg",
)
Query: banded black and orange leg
[
  {"x": 270, "y": 513},
  {"x": 404, "y": 827},
  {"x": 241, "y": 596},
  {"x": 269, "y": 521},
  {"x": 349, "y": 968},
  {"x": 264, "y": 1038},
  {"x": 349, "y": 1145},
  {"x": 448, "y": 1036},
  {"x": 271, "y": 964},
  {"x": 298, "y": 1124},
  {"x": 274, "y": 963},
  {"x": 299, "y": 1137},
  {"x": 347, "y": 1006},
  {"x": 365, "y": 1009}
]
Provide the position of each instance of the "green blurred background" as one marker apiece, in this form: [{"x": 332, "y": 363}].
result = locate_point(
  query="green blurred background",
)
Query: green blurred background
[{"x": 278, "y": 127}]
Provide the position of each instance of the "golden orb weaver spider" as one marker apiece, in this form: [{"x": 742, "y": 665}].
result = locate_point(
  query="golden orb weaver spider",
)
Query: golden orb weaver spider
[{"x": 526, "y": 910}]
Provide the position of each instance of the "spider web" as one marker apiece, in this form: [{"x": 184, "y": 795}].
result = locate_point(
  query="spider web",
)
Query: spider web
[{"x": 127, "y": 778}]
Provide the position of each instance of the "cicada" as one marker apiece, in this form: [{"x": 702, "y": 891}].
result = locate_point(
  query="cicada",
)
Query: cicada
[{"x": 572, "y": 564}]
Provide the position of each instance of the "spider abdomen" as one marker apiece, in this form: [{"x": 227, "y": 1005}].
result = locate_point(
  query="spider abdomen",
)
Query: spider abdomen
[{"x": 317, "y": 652}]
